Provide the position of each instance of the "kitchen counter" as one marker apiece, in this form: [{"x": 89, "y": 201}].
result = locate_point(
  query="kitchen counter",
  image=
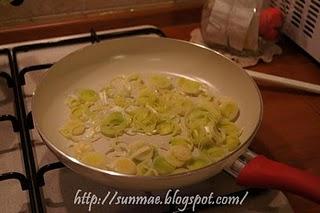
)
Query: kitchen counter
[{"x": 290, "y": 130}]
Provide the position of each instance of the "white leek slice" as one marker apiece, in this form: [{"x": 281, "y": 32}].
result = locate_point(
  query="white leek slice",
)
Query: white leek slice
[
  {"x": 229, "y": 110},
  {"x": 95, "y": 159},
  {"x": 232, "y": 143},
  {"x": 80, "y": 148},
  {"x": 125, "y": 166},
  {"x": 143, "y": 153},
  {"x": 119, "y": 86},
  {"x": 145, "y": 169},
  {"x": 181, "y": 152}
]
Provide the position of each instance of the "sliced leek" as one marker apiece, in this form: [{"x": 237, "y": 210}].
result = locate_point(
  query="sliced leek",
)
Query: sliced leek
[{"x": 194, "y": 127}]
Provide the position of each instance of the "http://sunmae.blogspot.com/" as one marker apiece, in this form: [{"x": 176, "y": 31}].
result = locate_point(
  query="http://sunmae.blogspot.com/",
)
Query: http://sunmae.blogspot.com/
[{"x": 172, "y": 197}]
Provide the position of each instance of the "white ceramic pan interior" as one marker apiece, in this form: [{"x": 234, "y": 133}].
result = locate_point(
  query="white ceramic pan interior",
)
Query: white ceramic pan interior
[{"x": 93, "y": 66}]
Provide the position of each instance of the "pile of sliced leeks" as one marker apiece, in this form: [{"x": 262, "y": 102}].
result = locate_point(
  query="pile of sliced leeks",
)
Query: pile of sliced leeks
[{"x": 195, "y": 128}]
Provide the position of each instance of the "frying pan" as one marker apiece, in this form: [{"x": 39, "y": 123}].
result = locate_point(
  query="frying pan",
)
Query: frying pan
[{"x": 93, "y": 66}]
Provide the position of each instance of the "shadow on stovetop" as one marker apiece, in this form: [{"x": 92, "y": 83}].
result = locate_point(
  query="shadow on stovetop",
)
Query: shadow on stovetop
[{"x": 6, "y": 94}]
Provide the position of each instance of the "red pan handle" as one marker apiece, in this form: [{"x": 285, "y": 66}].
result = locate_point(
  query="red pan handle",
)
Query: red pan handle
[{"x": 262, "y": 172}]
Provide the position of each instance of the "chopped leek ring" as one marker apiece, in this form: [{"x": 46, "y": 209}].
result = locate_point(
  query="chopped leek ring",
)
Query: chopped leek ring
[
  {"x": 189, "y": 87},
  {"x": 216, "y": 153},
  {"x": 171, "y": 159},
  {"x": 72, "y": 128},
  {"x": 142, "y": 168},
  {"x": 118, "y": 86},
  {"x": 181, "y": 141},
  {"x": 201, "y": 126},
  {"x": 147, "y": 97},
  {"x": 165, "y": 128},
  {"x": 122, "y": 101},
  {"x": 144, "y": 120},
  {"x": 79, "y": 113},
  {"x": 229, "y": 110},
  {"x": 125, "y": 166},
  {"x": 145, "y": 169},
  {"x": 151, "y": 172},
  {"x": 197, "y": 164},
  {"x": 143, "y": 153},
  {"x": 180, "y": 170},
  {"x": 88, "y": 95},
  {"x": 73, "y": 102},
  {"x": 78, "y": 130},
  {"x": 201, "y": 136},
  {"x": 162, "y": 166},
  {"x": 181, "y": 152},
  {"x": 113, "y": 125},
  {"x": 133, "y": 77},
  {"x": 80, "y": 148},
  {"x": 229, "y": 128},
  {"x": 95, "y": 159},
  {"x": 161, "y": 82},
  {"x": 232, "y": 143},
  {"x": 198, "y": 117}
]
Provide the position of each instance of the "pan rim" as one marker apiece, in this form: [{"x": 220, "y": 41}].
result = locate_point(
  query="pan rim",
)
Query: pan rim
[{"x": 62, "y": 154}]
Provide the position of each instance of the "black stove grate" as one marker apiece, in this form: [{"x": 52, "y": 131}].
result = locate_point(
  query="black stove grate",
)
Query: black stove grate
[{"x": 22, "y": 121}]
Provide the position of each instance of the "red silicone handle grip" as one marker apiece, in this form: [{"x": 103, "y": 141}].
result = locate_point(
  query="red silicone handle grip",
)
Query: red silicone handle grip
[{"x": 265, "y": 173}]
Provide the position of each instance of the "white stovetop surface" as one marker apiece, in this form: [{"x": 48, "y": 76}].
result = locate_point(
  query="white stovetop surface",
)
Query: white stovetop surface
[{"x": 62, "y": 184}]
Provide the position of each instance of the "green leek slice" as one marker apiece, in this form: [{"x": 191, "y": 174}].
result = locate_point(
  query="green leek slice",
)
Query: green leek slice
[
  {"x": 95, "y": 159},
  {"x": 232, "y": 143},
  {"x": 161, "y": 82},
  {"x": 114, "y": 124},
  {"x": 229, "y": 128},
  {"x": 181, "y": 141},
  {"x": 229, "y": 110},
  {"x": 144, "y": 120},
  {"x": 189, "y": 87},
  {"x": 162, "y": 166},
  {"x": 125, "y": 166},
  {"x": 171, "y": 159},
  {"x": 147, "y": 97},
  {"x": 216, "y": 153},
  {"x": 197, "y": 164},
  {"x": 181, "y": 152},
  {"x": 88, "y": 95},
  {"x": 180, "y": 170}
]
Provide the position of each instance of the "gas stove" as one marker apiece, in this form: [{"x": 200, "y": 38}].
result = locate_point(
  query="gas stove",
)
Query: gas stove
[{"x": 31, "y": 177}]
